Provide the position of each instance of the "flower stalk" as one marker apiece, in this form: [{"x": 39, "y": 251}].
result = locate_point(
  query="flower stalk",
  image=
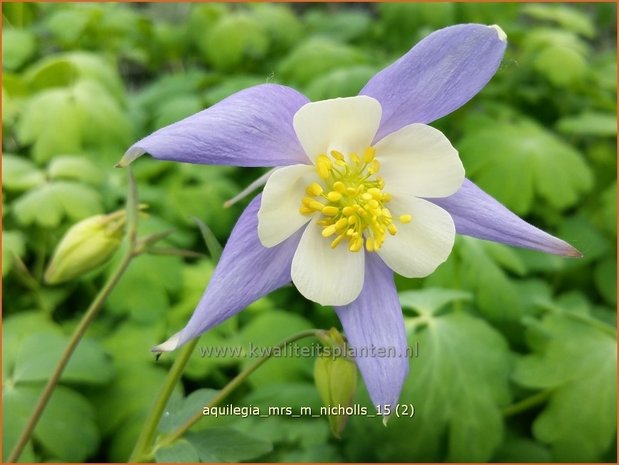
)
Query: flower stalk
[
  {"x": 139, "y": 455},
  {"x": 85, "y": 322}
]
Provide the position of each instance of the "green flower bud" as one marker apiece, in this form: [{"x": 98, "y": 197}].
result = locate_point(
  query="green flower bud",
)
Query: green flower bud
[
  {"x": 86, "y": 246},
  {"x": 335, "y": 376}
]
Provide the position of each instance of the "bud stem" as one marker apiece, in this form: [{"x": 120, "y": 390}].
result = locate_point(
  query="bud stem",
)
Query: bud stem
[
  {"x": 174, "y": 375},
  {"x": 87, "y": 319}
]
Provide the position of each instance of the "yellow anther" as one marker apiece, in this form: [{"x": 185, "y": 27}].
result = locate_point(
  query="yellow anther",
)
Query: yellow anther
[
  {"x": 340, "y": 187},
  {"x": 314, "y": 189},
  {"x": 330, "y": 210},
  {"x": 316, "y": 205},
  {"x": 337, "y": 240},
  {"x": 369, "y": 244},
  {"x": 334, "y": 196},
  {"x": 351, "y": 200},
  {"x": 341, "y": 223},
  {"x": 328, "y": 231},
  {"x": 369, "y": 154},
  {"x": 325, "y": 160},
  {"x": 356, "y": 244},
  {"x": 348, "y": 211},
  {"x": 337, "y": 155},
  {"x": 323, "y": 165}
]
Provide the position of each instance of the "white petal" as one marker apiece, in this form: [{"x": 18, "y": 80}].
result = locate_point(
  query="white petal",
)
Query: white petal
[
  {"x": 344, "y": 124},
  {"x": 279, "y": 217},
  {"x": 325, "y": 275},
  {"x": 419, "y": 160},
  {"x": 169, "y": 345},
  {"x": 422, "y": 245}
]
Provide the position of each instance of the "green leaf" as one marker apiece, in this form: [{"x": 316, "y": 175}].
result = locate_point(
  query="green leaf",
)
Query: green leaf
[
  {"x": 589, "y": 123},
  {"x": 68, "y": 25},
  {"x": 343, "y": 26},
  {"x": 474, "y": 266},
  {"x": 521, "y": 161},
  {"x": 51, "y": 122},
  {"x": 263, "y": 332},
  {"x": 340, "y": 83},
  {"x": 562, "y": 66},
  {"x": 429, "y": 300},
  {"x": 520, "y": 449},
  {"x": 66, "y": 429},
  {"x": 180, "y": 203},
  {"x": 458, "y": 384},
  {"x": 606, "y": 214},
  {"x": 69, "y": 120},
  {"x": 19, "y": 46},
  {"x": 175, "y": 109},
  {"x": 565, "y": 16},
  {"x": 65, "y": 69},
  {"x": 280, "y": 23},
  {"x": 49, "y": 204},
  {"x": 19, "y": 174},
  {"x": 581, "y": 233},
  {"x": 235, "y": 39},
  {"x": 228, "y": 87},
  {"x": 39, "y": 353},
  {"x": 315, "y": 57},
  {"x": 17, "y": 327},
  {"x": 76, "y": 167},
  {"x": 169, "y": 87},
  {"x": 605, "y": 276},
  {"x": 144, "y": 291},
  {"x": 227, "y": 445},
  {"x": 290, "y": 394},
  {"x": 577, "y": 362},
  {"x": 122, "y": 406},
  {"x": 399, "y": 21},
  {"x": 13, "y": 245},
  {"x": 178, "y": 411},
  {"x": 180, "y": 452}
]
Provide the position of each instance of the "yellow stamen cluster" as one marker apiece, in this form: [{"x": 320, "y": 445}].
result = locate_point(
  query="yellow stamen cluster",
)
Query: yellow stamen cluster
[{"x": 351, "y": 200}]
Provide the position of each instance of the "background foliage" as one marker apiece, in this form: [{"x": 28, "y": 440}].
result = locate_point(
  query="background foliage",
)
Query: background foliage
[{"x": 517, "y": 350}]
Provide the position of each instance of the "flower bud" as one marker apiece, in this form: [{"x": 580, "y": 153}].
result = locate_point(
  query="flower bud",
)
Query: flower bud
[
  {"x": 335, "y": 376},
  {"x": 86, "y": 246}
]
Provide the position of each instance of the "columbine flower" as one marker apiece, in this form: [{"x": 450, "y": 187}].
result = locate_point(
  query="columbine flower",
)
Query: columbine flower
[{"x": 365, "y": 188}]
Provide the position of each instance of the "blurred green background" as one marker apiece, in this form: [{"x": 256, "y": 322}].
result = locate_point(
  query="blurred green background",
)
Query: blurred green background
[{"x": 517, "y": 349}]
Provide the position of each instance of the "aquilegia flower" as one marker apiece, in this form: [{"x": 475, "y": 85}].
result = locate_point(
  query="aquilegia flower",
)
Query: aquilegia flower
[{"x": 365, "y": 188}]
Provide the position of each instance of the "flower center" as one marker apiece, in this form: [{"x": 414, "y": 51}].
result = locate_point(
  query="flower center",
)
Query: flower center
[{"x": 351, "y": 199}]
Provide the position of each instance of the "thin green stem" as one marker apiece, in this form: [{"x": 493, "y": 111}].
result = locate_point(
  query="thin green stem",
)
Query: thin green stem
[
  {"x": 145, "y": 439},
  {"x": 527, "y": 403},
  {"x": 231, "y": 386},
  {"x": 147, "y": 435},
  {"x": 85, "y": 322}
]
